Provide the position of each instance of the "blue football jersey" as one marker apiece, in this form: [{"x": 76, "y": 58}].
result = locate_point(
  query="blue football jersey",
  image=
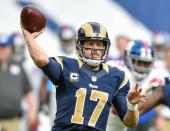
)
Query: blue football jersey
[
  {"x": 84, "y": 97},
  {"x": 166, "y": 92}
]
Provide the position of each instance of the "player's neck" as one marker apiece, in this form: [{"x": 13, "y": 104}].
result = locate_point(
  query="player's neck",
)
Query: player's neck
[{"x": 93, "y": 68}]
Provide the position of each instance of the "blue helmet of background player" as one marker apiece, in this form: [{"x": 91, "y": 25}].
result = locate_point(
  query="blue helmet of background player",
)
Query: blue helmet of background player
[
  {"x": 19, "y": 46},
  {"x": 6, "y": 40},
  {"x": 139, "y": 58},
  {"x": 92, "y": 31},
  {"x": 67, "y": 38},
  {"x": 6, "y": 47}
]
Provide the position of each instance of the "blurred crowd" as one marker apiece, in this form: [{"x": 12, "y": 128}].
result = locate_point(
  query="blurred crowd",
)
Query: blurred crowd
[{"x": 27, "y": 97}]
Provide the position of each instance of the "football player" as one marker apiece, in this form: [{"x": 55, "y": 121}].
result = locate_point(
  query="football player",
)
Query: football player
[
  {"x": 159, "y": 96},
  {"x": 67, "y": 39},
  {"x": 160, "y": 40},
  {"x": 138, "y": 64},
  {"x": 121, "y": 44},
  {"x": 87, "y": 87}
]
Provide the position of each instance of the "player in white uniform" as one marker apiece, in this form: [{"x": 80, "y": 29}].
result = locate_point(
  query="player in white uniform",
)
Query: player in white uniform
[{"x": 138, "y": 64}]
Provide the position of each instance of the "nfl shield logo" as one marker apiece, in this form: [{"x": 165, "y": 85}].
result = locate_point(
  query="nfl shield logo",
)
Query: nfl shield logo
[{"x": 94, "y": 79}]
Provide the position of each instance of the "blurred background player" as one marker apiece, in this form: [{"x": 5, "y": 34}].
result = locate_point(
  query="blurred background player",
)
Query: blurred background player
[
  {"x": 138, "y": 63},
  {"x": 19, "y": 52},
  {"x": 121, "y": 44},
  {"x": 14, "y": 84},
  {"x": 20, "y": 55},
  {"x": 159, "y": 96},
  {"x": 67, "y": 40},
  {"x": 161, "y": 43},
  {"x": 167, "y": 60},
  {"x": 163, "y": 117},
  {"x": 160, "y": 40},
  {"x": 139, "y": 59}
]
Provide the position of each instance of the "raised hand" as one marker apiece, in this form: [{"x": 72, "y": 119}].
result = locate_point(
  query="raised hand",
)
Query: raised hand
[
  {"x": 134, "y": 96},
  {"x": 33, "y": 35}
]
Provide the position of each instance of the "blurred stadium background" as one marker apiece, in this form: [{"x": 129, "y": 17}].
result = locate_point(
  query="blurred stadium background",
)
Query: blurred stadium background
[
  {"x": 111, "y": 13},
  {"x": 138, "y": 19}
]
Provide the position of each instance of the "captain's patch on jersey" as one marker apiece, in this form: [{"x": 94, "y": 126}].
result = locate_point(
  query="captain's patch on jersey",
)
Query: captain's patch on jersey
[{"x": 74, "y": 77}]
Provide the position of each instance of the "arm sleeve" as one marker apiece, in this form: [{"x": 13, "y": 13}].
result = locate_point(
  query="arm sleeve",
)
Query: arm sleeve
[
  {"x": 120, "y": 99},
  {"x": 53, "y": 70}
]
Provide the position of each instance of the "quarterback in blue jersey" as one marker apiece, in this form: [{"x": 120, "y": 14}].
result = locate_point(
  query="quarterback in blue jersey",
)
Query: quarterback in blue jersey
[{"x": 86, "y": 88}]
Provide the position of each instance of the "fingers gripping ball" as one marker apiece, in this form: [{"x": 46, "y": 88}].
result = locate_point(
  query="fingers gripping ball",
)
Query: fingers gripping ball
[{"x": 32, "y": 19}]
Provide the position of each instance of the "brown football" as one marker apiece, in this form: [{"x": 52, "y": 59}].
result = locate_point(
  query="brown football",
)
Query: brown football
[{"x": 32, "y": 19}]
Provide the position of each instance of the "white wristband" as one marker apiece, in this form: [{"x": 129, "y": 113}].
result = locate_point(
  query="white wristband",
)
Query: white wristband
[{"x": 132, "y": 107}]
